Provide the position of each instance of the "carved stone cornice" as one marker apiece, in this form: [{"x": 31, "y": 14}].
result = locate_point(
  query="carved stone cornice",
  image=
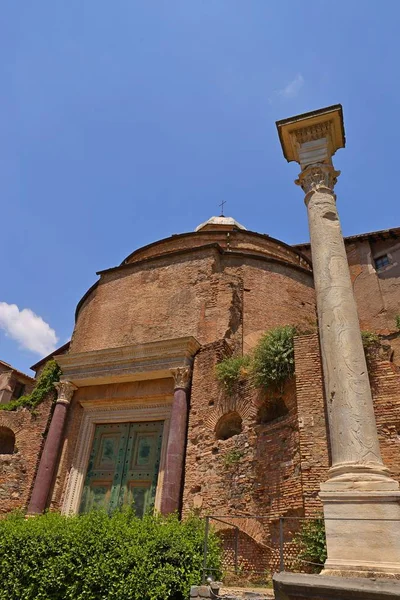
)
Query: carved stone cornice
[
  {"x": 318, "y": 177},
  {"x": 313, "y": 137},
  {"x": 65, "y": 391},
  {"x": 313, "y": 132},
  {"x": 181, "y": 377},
  {"x": 152, "y": 360}
]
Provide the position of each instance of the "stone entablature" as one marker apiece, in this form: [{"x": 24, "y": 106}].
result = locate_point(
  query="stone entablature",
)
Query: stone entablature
[{"x": 153, "y": 360}]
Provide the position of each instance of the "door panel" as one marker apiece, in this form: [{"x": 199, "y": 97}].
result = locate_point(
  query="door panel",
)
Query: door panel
[
  {"x": 142, "y": 464},
  {"x": 123, "y": 466},
  {"x": 104, "y": 474}
]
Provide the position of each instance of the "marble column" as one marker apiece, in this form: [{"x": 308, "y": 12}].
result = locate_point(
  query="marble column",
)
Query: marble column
[
  {"x": 48, "y": 460},
  {"x": 354, "y": 438},
  {"x": 173, "y": 472},
  {"x": 360, "y": 499}
]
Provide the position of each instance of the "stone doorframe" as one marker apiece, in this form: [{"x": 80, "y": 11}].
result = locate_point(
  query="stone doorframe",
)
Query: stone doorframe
[
  {"x": 117, "y": 412},
  {"x": 142, "y": 362}
]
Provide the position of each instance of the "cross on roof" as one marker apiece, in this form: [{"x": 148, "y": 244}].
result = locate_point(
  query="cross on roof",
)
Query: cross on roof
[{"x": 222, "y": 207}]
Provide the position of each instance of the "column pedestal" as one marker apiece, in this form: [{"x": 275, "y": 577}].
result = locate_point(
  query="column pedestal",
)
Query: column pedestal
[
  {"x": 48, "y": 460},
  {"x": 173, "y": 473}
]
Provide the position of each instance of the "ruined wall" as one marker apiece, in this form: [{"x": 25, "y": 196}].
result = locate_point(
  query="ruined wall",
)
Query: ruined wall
[
  {"x": 313, "y": 428},
  {"x": 256, "y": 472},
  {"x": 208, "y": 296},
  {"x": 156, "y": 301},
  {"x": 274, "y": 296},
  {"x": 17, "y": 470},
  {"x": 385, "y": 385}
]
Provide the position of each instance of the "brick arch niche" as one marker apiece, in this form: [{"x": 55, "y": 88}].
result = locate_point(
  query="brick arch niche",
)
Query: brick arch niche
[
  {"x": 228, "y": 425},
  {"x": 7, "y": 440}
]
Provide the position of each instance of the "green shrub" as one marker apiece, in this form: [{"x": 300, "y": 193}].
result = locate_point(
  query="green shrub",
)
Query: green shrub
[
  {"x": 312, "y": 543},
  {"x": 232, "y": 370},
  {"x": 273, "y": 361},
  {"x": 44, "y": 385},
  {"x": 95, "y": 557},
  {"x": 397, "y": 321},
  {"x": 369, "y": 339}
]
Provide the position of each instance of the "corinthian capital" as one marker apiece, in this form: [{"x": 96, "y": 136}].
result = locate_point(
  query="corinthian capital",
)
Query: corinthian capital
[
  {"x": 181, "y": 377},
  {"x": 65, "y": 391},
  {"x": 316, "y": 177}
]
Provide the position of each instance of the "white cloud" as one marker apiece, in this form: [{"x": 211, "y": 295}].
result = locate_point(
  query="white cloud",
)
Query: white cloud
[
  {"x": 293, "y": 87},
  {"x": 28, "y": 329}
]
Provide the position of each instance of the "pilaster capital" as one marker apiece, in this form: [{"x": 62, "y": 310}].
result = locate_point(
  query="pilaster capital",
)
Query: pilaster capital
[
  {"x": 181, "y": 377},
  {"x": 65, "y": 391},
  {"x": 318, "y": 177}
]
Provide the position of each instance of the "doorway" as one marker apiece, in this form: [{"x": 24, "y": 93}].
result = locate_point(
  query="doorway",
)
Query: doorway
[{"x": 123, "y": 467}]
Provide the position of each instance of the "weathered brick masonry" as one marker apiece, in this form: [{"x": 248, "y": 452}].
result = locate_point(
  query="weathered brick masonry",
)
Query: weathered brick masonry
[{"x": 17, "y": 470}]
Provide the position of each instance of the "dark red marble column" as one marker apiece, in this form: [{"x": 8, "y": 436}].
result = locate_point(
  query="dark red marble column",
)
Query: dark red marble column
[
  {"x": 173, "y": 472},
  {"x": 48, "y": 460}
]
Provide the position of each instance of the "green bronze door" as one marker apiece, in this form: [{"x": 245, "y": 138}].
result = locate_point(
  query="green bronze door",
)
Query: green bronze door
[{"x": 123, "y": 467}]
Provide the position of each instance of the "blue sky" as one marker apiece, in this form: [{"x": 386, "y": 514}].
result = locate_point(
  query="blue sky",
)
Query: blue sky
[{"x": 124, "y": 122}]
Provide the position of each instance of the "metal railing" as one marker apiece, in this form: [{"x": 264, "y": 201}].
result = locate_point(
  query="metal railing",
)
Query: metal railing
[{"x": 284, "y": 551}]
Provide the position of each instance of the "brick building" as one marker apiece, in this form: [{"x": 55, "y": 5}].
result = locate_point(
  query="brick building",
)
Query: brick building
[{"x": 141, "y": 416}]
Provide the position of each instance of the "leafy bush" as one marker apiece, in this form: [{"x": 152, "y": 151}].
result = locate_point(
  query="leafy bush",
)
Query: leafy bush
[
  {"x": 397, "y": 321},
  {"x": 369, "y": 339},
  {"x": 231, "y": 370},
  {"x": 273, "y": 361},
  {"x": 96, "y": 557},
  {"x": 44, "y": 385},
  {"x": 312, "y": 542}
]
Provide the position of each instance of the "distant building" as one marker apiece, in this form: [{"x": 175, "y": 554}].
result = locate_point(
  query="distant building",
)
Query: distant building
[{"x": 13, "y": 383}]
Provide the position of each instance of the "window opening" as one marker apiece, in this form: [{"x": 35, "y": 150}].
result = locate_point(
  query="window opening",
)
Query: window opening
[{"x": 381, "y": 262}]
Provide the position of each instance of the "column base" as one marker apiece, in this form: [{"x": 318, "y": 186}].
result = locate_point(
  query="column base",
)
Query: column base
[{"x": 362, "y": 531}]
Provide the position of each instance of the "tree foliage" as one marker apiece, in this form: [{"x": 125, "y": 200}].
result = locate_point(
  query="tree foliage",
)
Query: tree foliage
[
  {"x": 44, "y": 385},
  {"x": 97, "y": 556}
]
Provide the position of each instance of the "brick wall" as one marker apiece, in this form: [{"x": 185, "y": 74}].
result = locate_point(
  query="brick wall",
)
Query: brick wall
[
  {"x": 17, "y": 470},
  {"x": 385, "y": 385},
  {"x": 203, "y": 294},
  {"x": 313, "y": 429},
  {"x": 265, "y": 478}
]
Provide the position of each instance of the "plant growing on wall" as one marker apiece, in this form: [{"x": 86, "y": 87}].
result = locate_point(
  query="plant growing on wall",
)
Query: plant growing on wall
[
  {"x": 230, "y": 371},
  {"x": 232, "y": 458},
  {"x": 312, "y": 544},
  {"x": 369, "y": 339},
  {"x": 273, "y": 360},
  {"x": 397, "y": 321},
  {"x": 44, "y": 385}
]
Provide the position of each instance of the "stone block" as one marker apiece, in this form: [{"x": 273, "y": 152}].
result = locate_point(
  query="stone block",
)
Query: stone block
[
  {"x": 295, "y": 586},
  {"x": 204, "y": 591}
]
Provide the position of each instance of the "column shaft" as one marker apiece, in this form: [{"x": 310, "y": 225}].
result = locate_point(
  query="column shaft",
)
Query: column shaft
[
  {"x": 173, "y": 472},
  {"x": 353, "y": 434},
  {"x": 48, "y": 460}
]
